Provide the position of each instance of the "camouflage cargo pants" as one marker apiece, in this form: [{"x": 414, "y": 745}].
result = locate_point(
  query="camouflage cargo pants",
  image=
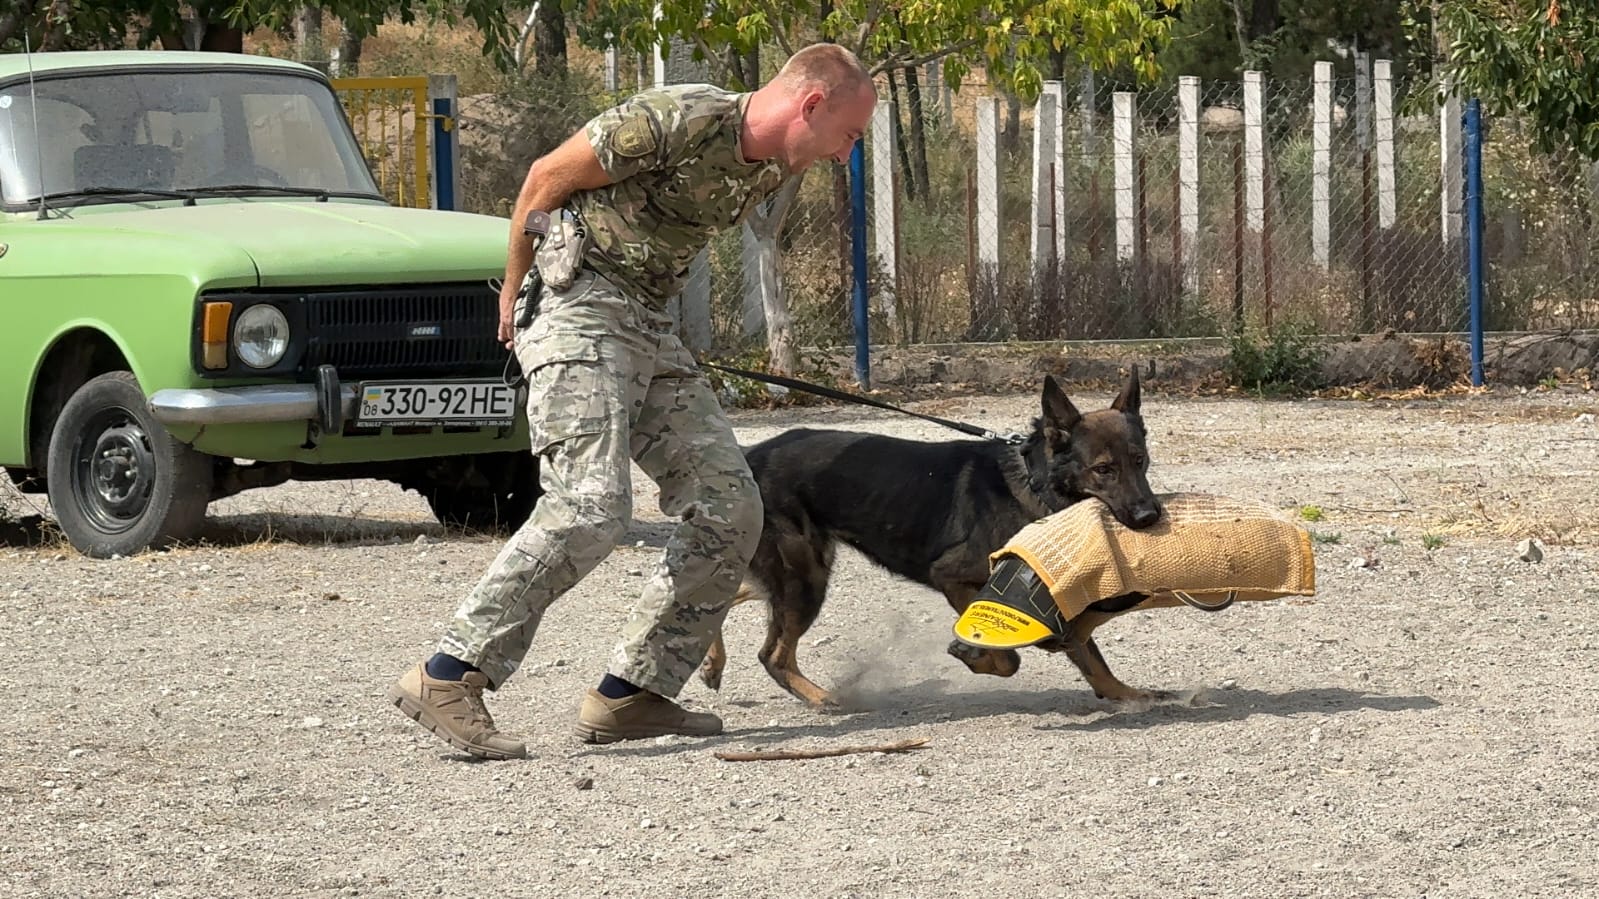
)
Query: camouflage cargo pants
[{"x": 609, "y": 382}]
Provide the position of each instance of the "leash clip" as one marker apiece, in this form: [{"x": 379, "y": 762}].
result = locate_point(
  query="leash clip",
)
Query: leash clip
[{"x": 1013, "y": 438}]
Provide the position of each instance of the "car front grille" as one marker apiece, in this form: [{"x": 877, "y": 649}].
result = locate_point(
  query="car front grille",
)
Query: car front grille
[{"x": 434, "y": 330}]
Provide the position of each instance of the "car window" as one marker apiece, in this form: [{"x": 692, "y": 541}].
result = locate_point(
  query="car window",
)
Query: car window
[
  {"x": 19, "y": 164},
  {"x": 160, "y": 129},
  {"x": 194, "y": 138},
  {"x": 287, "y": 135}
]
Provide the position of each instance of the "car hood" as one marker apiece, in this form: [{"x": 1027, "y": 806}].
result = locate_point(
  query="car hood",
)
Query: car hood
[{"x": 301, "y": 243}]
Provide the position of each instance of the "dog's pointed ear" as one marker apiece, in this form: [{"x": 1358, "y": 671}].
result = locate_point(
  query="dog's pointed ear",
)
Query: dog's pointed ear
[
  {"x": 1059, "y": 413},
  {"x": 1127, "y": 402}
]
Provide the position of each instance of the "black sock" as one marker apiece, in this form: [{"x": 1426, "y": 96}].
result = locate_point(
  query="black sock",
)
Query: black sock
[
  {"x": 613, "y": 687},
  {"x": 447, "y": 667}
]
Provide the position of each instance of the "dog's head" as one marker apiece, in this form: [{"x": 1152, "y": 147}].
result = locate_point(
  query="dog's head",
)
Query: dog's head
[{"x": 1101, "y": 454}]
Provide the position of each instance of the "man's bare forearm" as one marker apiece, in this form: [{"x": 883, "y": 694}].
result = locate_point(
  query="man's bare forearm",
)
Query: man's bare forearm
[
  {"x": 538, "y": 194},
  {"x": 550, "y": 182}
]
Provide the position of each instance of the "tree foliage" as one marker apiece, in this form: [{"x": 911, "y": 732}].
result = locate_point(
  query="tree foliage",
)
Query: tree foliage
[
  {"x": 221, "y": 24},
  {"x": 1538, "y": 59},
  {"x": 1218, "y": 39},
  {"x": 1011, "y": 39}
]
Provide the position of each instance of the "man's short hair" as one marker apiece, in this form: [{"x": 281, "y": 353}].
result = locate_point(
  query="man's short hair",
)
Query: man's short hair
[{"x": 831, "y": 65}]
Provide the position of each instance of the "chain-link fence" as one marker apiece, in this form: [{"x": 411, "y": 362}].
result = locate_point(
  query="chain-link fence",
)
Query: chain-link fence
[
  {"x": 1190, "y": 210},
  {"x": 1318, "y": 220},
  {"x": 1541, "y": 226},
  {"x": 814, "y": 269},
  {"x": 1142, "y": 236},
  {"x": 958, "y": 267},
  {"x": 1325, "y": 207}
]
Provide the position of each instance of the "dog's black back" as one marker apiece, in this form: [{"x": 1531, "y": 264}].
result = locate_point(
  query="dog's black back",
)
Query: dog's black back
[
  {"x": 902, "y": 503},
  {"x": 929, "y": 512}
]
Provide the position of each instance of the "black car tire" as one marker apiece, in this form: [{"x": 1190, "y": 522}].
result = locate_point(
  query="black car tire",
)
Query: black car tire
[{"x": 119, "y": 482}]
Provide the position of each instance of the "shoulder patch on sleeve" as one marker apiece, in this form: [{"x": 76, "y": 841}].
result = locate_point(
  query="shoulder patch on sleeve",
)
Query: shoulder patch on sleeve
[{"x": 634, "y": 137}]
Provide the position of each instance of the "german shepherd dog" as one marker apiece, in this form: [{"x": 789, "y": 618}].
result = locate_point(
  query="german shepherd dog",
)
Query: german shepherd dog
[{"x": 933, "y": 513}]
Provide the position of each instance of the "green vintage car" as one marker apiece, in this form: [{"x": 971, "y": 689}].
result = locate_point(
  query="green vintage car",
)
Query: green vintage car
[{"x": 202, "y": 291}]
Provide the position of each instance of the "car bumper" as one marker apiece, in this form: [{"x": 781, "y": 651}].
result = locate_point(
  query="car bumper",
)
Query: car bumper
[
  {"x": 326, "y": 402},
  {"x": 245, "y": 405}
]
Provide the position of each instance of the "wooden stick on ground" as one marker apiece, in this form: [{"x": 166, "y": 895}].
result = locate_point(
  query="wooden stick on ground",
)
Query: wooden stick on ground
[{"x": 769, "y": 755}]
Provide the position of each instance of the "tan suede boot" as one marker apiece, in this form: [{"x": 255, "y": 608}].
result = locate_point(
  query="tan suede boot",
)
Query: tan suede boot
[
  {"x": 638, "y": 717},
  {"x": 455, "y": 712}
]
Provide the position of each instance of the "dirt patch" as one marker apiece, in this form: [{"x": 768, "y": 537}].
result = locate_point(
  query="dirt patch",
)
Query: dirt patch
[{"x": 1424, "y": 725}]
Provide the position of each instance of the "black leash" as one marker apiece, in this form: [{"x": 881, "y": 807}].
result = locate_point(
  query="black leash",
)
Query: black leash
[
  {"x": 513, "y": 376},
  {"x": 819, "y": 390}
]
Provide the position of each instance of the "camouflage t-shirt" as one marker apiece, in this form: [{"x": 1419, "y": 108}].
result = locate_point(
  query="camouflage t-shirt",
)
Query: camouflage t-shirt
[{"x": 679, "y": 179}]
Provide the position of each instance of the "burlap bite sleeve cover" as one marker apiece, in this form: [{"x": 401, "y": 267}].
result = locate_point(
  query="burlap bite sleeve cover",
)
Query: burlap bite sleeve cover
[{"x": 1204, "y": 545}]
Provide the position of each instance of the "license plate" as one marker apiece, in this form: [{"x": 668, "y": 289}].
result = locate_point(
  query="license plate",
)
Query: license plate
[{"x": 482, "y": 404}]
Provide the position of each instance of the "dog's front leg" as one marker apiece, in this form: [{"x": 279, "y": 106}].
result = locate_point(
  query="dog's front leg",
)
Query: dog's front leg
[
  {"x": 715, "y": 661},
  {"x": 998, "y": 662},
  {"x": 1080, "y": 647}
]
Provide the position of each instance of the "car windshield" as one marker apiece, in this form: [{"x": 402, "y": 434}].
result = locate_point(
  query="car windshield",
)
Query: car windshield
[{"x": 166, "y": 130}]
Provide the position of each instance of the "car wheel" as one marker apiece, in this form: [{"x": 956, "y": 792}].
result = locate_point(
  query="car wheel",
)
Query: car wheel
[
  {"x": 491, "y": 492},
  {"x": 119, "y": 483}
]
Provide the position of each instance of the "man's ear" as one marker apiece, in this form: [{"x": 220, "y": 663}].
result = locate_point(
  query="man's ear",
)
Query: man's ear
[{"x": 812, "y": 102}]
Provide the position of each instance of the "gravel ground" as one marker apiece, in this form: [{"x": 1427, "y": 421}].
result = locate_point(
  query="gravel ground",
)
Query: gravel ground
[{"x": 210, "y": 721}]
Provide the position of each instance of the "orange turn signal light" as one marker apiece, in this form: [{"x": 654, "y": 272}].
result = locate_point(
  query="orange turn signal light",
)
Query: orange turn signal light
[{"x": 214, "y": 334}]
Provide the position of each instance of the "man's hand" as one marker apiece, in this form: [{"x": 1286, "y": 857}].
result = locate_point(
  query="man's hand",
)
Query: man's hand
[{"x": 508, "y": 293}]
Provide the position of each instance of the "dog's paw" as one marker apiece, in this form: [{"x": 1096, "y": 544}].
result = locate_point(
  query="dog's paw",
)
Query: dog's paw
[
  {"x": 711, "y": 676},
  {"x": 998, "y": 662},
  {"x": 1140, "y": 697},
  {"x": 826, "y": 703}
]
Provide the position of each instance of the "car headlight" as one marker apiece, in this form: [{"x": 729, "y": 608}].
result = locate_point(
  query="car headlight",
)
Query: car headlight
[{"x": 261, "y": 336}]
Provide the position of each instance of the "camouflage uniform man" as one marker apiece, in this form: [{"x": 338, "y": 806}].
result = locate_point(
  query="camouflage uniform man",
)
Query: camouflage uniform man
[{"x": 652, "y": 180}]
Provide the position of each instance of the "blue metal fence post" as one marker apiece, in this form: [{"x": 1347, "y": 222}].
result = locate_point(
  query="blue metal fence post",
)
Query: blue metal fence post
[
  {"x": 1474, "y": 232},
  {"x": 442, "y": 105},
  {"x": 857, "y": 191}
]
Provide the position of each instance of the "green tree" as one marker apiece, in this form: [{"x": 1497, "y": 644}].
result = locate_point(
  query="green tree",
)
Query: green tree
[
  {"x": 1538, "y": 59},
  {"x": 1011, "y": 39},
  {"x": 546, "y": 26},
  {"x": 58, "y": 25},
  {"x": 1218, "y": 39},
  {"x": 222, "y": 24}
]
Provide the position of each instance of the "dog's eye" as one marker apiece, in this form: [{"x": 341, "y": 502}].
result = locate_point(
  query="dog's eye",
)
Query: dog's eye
[
  {"x": 1102, "y": 468},
  {"x": 1139, "y": 461}
]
